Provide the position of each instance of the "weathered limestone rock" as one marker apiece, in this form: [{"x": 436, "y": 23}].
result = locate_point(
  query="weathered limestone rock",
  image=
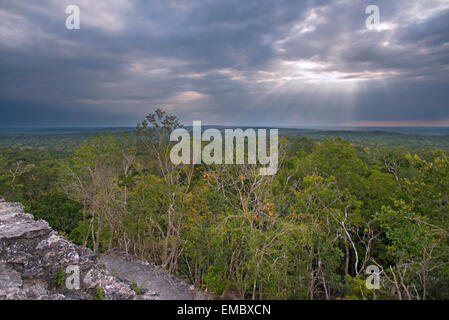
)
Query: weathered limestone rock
[{"x": 32, "y": 255}]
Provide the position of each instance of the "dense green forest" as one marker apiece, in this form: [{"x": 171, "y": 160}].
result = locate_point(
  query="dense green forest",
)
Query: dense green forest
[{"x": 340, "y": 202}]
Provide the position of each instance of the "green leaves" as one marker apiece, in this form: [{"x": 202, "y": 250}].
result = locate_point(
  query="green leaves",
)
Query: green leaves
[
  {"x": 406, "y": 231},
  {"x": 307, "y": 233}
]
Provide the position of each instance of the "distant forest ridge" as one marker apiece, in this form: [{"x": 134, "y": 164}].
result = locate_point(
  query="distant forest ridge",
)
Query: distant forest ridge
[
  {"x": 409, "y": 137},
  {"x": 98, "y": 129}
]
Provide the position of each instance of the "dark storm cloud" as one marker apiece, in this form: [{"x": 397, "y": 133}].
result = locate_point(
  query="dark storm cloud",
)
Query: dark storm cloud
[{"x": 229, "y": 62}]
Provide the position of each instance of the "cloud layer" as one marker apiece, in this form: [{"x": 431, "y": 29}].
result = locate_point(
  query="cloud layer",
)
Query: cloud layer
[{"x": 252, "y": 62}]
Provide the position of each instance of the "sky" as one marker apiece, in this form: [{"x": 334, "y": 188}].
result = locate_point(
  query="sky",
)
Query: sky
[{"x": 225, "y": 62}]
